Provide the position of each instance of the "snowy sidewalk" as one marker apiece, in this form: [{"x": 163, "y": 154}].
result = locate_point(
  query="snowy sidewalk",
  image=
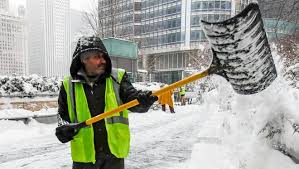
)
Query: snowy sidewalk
[
  {"x": 159, "y": 140},
  {"x": 208, "y": 152}
]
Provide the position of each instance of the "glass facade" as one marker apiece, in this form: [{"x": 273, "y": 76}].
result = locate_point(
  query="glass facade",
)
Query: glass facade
[
  {"x": 211, "y": 5},
  {"x": 211, "y": 11},
  {"x": 173, "y": 60},
  {"x": 168, "y": 77},
  {"x": 276, "y": 28},
  {"x": 166, "y": 29},
  {"x": 120, "y": 18},
  {"x": 161, "y": 23}
]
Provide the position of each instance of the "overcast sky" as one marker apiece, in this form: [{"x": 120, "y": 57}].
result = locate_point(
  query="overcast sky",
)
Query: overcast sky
[{"x": 83, "y": 5}]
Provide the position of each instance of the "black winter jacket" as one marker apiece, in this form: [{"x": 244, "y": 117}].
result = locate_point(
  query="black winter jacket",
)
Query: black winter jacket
[{"x": 95, "y": 94}]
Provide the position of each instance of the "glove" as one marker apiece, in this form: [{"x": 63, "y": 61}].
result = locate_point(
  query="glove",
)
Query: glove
[
  {"x": 65, "y": 133},
  {"x": 146, "y": 99}
]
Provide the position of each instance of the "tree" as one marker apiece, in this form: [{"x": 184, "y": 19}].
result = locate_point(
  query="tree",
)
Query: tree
[
  {"x": 94, "y": 20},
  {"x": 281, "y": 10},
  {"x": 200, "y": 58},
  {"x": 286, "y": 28}
]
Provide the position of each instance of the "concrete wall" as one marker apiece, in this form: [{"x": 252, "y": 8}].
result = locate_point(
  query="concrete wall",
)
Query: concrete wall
[{"x": 28, "y": 105}]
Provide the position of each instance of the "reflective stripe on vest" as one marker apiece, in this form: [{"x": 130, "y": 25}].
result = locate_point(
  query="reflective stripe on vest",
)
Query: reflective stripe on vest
[
  {"x": 118, "y": 133},
  {"x": 116, "y": 86}
]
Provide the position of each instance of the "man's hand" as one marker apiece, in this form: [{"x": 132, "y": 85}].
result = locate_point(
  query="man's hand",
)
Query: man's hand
[
  {"x": 65, "y": 133},
  {"x": 146, "y": 98}
]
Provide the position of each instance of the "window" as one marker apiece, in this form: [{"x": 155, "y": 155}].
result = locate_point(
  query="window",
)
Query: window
[
  {"x": 179, "y": 60},
  {"x": 137, "y": 6},
  {"x": 205, "y": 6},
  {"x": 175, "y": 61},
  {"x": 211, "y": 5},
  {"x": 161, "y": 61},
  {"x": 165, "y": 66},
  {"x": 170, "y": 61},
  {"x": 195, "y": 20},
  {"x": 194, "y": 35},
  {"x": 137, "y": 18},
  {"x": 217, "y": 4}
]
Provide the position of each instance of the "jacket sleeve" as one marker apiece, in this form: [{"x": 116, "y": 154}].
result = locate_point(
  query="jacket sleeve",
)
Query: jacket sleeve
[
  {"x": 128, "y": 93},
  {"x": 63, "y": 115}
]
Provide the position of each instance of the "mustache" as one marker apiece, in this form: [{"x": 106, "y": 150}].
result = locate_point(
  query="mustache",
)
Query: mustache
[{"x": 101, "y": 66}]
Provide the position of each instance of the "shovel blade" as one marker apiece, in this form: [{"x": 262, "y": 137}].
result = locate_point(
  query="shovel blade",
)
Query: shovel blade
[{"x": 241, "y": 50}]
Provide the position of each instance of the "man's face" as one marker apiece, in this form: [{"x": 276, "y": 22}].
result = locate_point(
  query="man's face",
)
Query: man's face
[{"x": 95, "y": 63}]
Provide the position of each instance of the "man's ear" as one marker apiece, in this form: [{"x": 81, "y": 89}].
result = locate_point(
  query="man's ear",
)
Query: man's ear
[{"x": 83, "y": 61}]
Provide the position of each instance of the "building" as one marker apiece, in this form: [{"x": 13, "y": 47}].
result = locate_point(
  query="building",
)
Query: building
[
  {"x": 21, "y": 11},
  {"x": 172, "y": 38},
  {"x": 120, "y": 18},
  {"x": 13, "y": 50},
  {"x": 12, "y": 45},
  {"x": 280, "y": 17},
  {"x": 123, "y": 54},
  {"x": 4, "y": 6},
  {"x": 49, "y": 43},
  {"x": 277, "y": 28},
  {"x": 168, "y": 32}
]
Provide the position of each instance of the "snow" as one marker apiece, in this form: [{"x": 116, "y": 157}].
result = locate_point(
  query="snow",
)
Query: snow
[
  {"x": 233, "y": 137},
  {"x": 160, "y": 140},
  {"x": 19, "y": 113},
  {"x": 225, "y": 131},
  {"x": 32, "y": 85},
  {"x": 222, "y": 132},
  {"x": 152, "y": 86}
]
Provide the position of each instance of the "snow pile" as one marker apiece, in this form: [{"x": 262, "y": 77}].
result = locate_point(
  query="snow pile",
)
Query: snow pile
[
  {"x": 292, "y": 75},
  {"x": 21, "y": 113},
  {"x": 28, "y": 85},
  {"x": 250, "y": 131},
  {"x": 17, "y": 131}
]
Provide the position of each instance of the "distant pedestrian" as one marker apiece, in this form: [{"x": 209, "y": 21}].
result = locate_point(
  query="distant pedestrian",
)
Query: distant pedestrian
[
  {"x": 166, "y": 98},
  {"x": 182, "y": 95}
]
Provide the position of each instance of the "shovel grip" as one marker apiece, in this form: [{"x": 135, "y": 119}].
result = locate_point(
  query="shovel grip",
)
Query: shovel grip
[{"x": 156, "y": 93}]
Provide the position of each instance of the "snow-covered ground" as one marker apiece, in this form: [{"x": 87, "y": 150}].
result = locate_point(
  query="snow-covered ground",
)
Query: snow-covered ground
[
  {"x": 160, "y": 140},
  {"x": 249, "y": 132},
  {"x": 242, "y": 130},
  {"x": 225, "y": 131}
]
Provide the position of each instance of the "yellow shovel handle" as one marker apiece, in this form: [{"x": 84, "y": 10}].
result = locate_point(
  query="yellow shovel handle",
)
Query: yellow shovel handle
[{"x": 156, "y": 93}]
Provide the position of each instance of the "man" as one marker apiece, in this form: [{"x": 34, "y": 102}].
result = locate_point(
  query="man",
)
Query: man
[
  {"x": 166, "y": 98},
  {"x": 93, "y": 88},
  {"x": 182, "y": 95}
]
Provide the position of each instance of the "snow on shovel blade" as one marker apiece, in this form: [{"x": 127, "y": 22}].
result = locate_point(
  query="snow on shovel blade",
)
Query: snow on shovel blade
[{"x": 241, "y": 51}]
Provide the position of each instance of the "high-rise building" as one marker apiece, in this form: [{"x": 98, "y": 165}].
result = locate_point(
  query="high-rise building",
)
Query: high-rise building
[
  {"x": 168, "y": 32},
  {"x": 12, "y": 45},
  {"x": 49, "y": 43},
  {"x": 4, "y": 6},
  {"x": 21, "y": 11},
  {"x": 120, "y": 18},
  {"x": 172, "y": 37}
]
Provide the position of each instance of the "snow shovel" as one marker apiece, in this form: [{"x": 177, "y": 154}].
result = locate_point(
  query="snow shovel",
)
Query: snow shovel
[{"x": 241, "y": 54}]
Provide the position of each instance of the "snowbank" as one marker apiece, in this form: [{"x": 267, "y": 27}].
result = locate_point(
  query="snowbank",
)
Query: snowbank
[
  {"x": 32, "y": 85},
  {"x": 249, "y": 132},
  {"x": 21, "y": 113}
]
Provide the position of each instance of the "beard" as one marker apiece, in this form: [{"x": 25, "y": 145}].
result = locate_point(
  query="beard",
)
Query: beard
[
  {"x": 101, "y": 69},
  {"x": 96, "y": 70}
]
